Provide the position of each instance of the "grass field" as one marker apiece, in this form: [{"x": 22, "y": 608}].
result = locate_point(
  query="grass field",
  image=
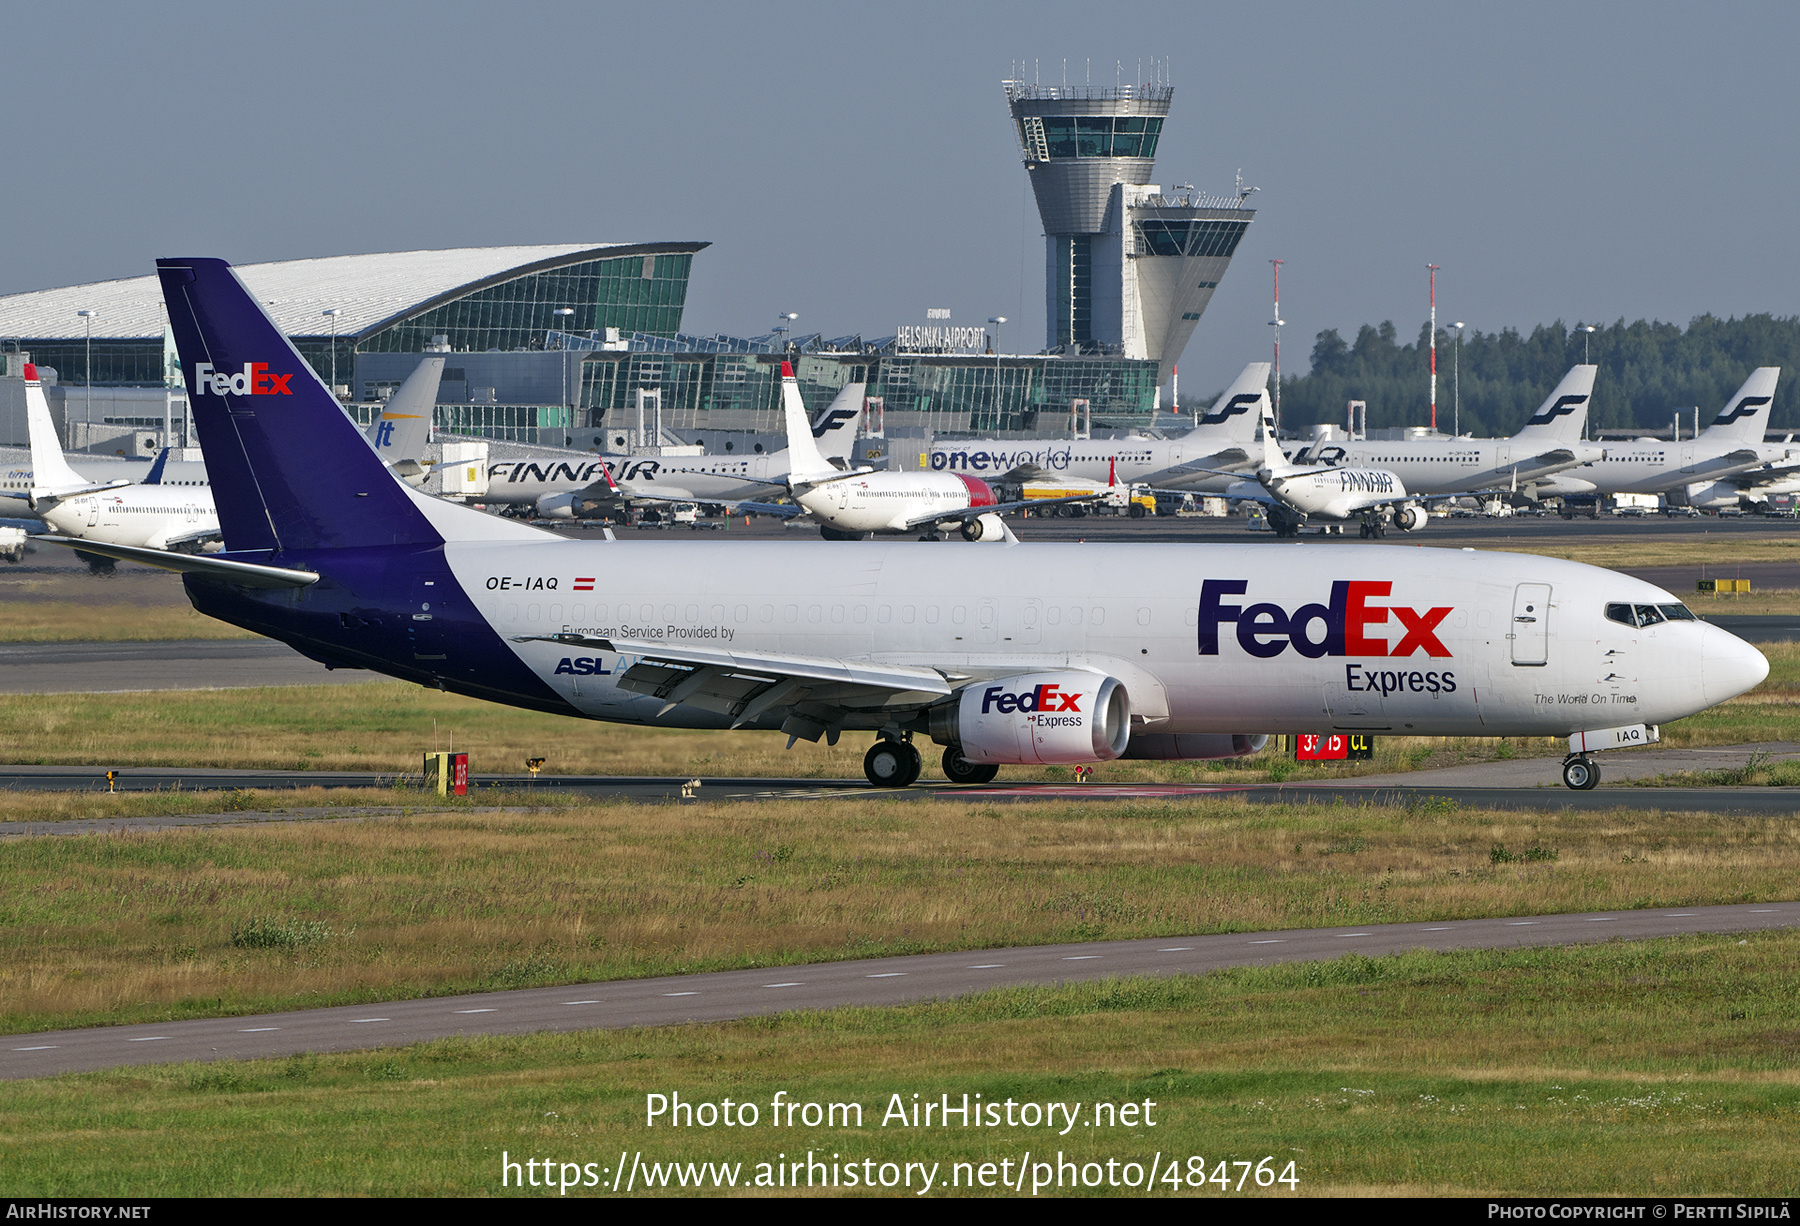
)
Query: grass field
[
  {"x": 1655, "y": 1068},
  {"x": 148, "y": 926},
  {"x": 385, "y": 727}
]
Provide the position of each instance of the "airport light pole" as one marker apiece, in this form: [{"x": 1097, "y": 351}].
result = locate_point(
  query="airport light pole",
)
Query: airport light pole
[
  {"x": 1276, "y": 324},
  {"x": 1456, "y": 380},
  {"x": 332, "y": 314},
  {"x": 1434, "y": 272},
  {"x": 997, "y": 320},
  {"x": 564, "y": 313},
  {"x": 785, "y": 329},
  {"x": 87, "y": 392},
  {"x": 1587, "y": 331}
]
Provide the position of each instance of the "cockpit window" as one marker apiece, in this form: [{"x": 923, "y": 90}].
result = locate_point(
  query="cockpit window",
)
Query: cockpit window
[{"x": 1648, "y": 614}]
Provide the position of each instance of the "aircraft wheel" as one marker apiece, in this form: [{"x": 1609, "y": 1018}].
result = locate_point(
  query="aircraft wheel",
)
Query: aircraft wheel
[
  {"x": 892, "y": 764},
  {"x": 1581, "y": 774},
  {"x": 932, "y": 536},
  {"x": 958, "y": 769}
]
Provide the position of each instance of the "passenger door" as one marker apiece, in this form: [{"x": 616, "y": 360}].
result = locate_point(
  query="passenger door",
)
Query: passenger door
[{"x": 1530, "y": 632}]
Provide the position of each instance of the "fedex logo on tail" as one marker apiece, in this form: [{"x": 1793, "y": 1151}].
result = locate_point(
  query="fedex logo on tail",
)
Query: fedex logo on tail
[
  {"x": 1341, "y": 627},
  {"x": 256, "y": 379}
]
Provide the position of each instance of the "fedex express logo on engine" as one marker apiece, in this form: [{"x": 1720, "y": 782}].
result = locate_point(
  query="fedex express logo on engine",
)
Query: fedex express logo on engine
[
  {"x": 1342, "y": 627},
  {"x": 256, "y": 379},
  {"x": 1043, "y": 698}
]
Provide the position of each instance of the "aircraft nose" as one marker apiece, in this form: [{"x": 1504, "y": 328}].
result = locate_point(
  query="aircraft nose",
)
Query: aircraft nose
[{"x": 1729, "y": 666}]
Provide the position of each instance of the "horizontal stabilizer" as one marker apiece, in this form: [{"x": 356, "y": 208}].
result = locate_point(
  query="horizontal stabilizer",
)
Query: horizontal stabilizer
[{"x": 238, "y": 574}]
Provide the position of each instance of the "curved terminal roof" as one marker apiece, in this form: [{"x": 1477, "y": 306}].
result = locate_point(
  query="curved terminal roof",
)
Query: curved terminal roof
[{"x": 369, "y": 291}]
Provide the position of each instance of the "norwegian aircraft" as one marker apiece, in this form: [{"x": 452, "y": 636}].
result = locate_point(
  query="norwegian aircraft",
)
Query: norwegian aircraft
[
  {"x": 1045, "y": 653},
  {"x": 1715, "y": 469},
  {"x": 1198, "y": 462},
  {"x": 863, "y": 502},
  {"x": 1542, "y": 459},
  {"x": 564, "y": 487},
  {"x": 151, "y": 515}
]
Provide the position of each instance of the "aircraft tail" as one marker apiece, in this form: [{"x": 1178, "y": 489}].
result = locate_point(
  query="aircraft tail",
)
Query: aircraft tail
[
  {"x": 289, "y": 469},
  {"x": 51, "y": 476},
  {"x": 1563, "y": 415},
  {"x": 805, "y": 461},
  {"x": 403, "y": 427},
  {"x": 1745, "y": 417},
  {"x": 835, "y": 428},
  {"x": 1238, "y": 411},
  {"x": 1272, "y": 457}
]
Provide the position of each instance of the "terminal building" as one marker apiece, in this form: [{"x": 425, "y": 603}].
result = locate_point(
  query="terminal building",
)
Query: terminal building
[{"x": 582, "y": 345}]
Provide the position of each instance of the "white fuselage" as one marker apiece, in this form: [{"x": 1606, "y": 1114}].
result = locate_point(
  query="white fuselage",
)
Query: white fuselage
[
  {"x": 1213, "y": 638},
  {"x": 1325, "y": 493},
  {"x": 1127, "y": 460},
  {"x": 890, "y": 501},
  {"x": 1461, "y": 465},
  {"x": 152, "y": 516},
  {"x": 1657, "y": 466},
  {"x": 689, "y": 478}
]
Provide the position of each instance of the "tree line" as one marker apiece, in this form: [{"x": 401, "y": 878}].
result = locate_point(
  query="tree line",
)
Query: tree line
[{"x": 1648, "y": 372}]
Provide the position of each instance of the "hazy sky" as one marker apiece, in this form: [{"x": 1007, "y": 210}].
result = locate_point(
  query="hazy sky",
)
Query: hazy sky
[{"x": 855, "y": 163}]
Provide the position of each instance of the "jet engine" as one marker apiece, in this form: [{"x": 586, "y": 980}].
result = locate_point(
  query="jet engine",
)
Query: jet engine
[
  {"x": 1410, "y": 518},
  {"x": 1037, "y": 718},
  {"x": 559, "y": 506},
  {"x": 1710, "y": 496},
  {"x": 983, "y": 528},
  {"x": 1193, "y": 746}
]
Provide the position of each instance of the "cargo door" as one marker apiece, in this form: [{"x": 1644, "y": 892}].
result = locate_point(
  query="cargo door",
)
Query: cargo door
[
  {"x": 1530, "y": 632},
  {"x": 429, "y": 621}
]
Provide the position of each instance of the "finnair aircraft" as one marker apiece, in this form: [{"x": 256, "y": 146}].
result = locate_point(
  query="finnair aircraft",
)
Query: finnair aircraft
[
  {"x": 1541, "y": 460},
  {"x": 1295, "y": 492},
  {"x": 1033, "y": 653},
  {"x": 1714, "y": 469},
  {"x": 1198, "y": 462},
  {"x": 560, "y": 487}
]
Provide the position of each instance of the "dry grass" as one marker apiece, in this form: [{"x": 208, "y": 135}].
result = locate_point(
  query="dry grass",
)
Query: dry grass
[
  {"x": 1702, "y": 547},
  {"x": 58, "y": 621},
  {"x": 138, "y": 926}
]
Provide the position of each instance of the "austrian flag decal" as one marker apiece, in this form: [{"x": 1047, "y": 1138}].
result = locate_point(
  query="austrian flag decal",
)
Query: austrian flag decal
[{"x": 584, "y": 585}]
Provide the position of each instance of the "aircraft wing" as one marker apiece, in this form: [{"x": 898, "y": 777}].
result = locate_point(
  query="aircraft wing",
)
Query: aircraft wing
[
  {"x": 1213, "y": 465},
  {"x": 1001, "y": 508},
  {"x": 818, "y": 690},
  {"x": 239, "y": 574},
  {"x": 200, "y": 537}
]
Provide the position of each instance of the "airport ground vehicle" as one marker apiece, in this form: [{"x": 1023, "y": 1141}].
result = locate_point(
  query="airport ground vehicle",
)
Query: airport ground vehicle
[{"x": 1008, "y": 654}]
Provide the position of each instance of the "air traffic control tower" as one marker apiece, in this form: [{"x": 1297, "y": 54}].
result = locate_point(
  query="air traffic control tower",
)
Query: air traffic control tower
[{"x": 1128, "y": 267}]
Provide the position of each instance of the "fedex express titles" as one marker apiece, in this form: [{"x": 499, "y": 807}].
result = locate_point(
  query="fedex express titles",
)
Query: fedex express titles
[{"x": 1336, "y": 628}]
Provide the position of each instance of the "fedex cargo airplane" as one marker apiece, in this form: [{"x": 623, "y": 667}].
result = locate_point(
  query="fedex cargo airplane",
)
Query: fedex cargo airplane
[{"x": 1023, "y": 654}]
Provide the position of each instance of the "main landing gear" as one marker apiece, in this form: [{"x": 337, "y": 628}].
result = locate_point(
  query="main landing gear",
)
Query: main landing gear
[
  {"x": 958, "y": 769},
  {"x": 1581, "y": 773},
  {"x": 892, "y": 764},
  {"x": 1374, "y": 527}
]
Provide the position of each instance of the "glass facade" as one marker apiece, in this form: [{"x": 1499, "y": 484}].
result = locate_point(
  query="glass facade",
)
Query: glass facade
[
  {"x": 635, "y": 293},
  {"x": 1189, "y": 237},
  {"x": 1074, "y": 290},
  {"x": 942, "y": 394},
  {"x": 1100, "y": 136}
]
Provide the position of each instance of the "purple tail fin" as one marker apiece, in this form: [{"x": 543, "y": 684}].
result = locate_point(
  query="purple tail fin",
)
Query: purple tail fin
[{"x": 289, "y": 469}]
